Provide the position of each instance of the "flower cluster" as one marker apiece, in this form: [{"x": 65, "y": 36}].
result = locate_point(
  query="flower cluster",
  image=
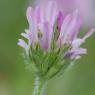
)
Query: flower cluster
[{"x": 52, "y": 38}]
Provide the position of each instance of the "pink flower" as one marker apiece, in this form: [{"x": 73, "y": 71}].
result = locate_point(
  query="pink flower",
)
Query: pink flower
[
  {"x": 41, "y": 22},
  {"x": 46, "y": 21}
]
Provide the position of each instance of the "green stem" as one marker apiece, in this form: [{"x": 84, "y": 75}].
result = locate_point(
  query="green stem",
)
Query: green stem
[{"x": 39, "y": 86}]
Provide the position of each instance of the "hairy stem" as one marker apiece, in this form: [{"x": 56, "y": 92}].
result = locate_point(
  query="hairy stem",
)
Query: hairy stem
[{"x": 39, "y": 86}]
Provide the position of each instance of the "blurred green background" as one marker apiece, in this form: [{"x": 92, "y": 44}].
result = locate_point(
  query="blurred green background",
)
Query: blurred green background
[{"x": 16, "y": 80}]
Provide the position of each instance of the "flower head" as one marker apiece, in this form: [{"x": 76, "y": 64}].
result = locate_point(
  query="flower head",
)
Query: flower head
[{"x": 52, "y": 38}]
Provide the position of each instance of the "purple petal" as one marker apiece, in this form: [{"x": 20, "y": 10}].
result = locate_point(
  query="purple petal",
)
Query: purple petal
[
  {"x": 51, "y": 12},
  {"x": 37, "y": 14},
  {"x": 47, "y": 36},
  {"x": 75, "y": 53},
  {"x": 32, "y": 32},
  {"x": 78, "y": 52},
  {"x": 76, "y": 43},
  {"x": 22, "y": 43},
  {"x": 48, "y": 10},
  {"x": 54, "y": 14},
  {"x": 64, "y": 28},
  {"x": 60, "y": 21},
  {"x": 25, "y": 35},
  {"x": 89, "y": 34},
  {"x": 30, "y": 15},
  {"x": 70, "y": 33}
]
